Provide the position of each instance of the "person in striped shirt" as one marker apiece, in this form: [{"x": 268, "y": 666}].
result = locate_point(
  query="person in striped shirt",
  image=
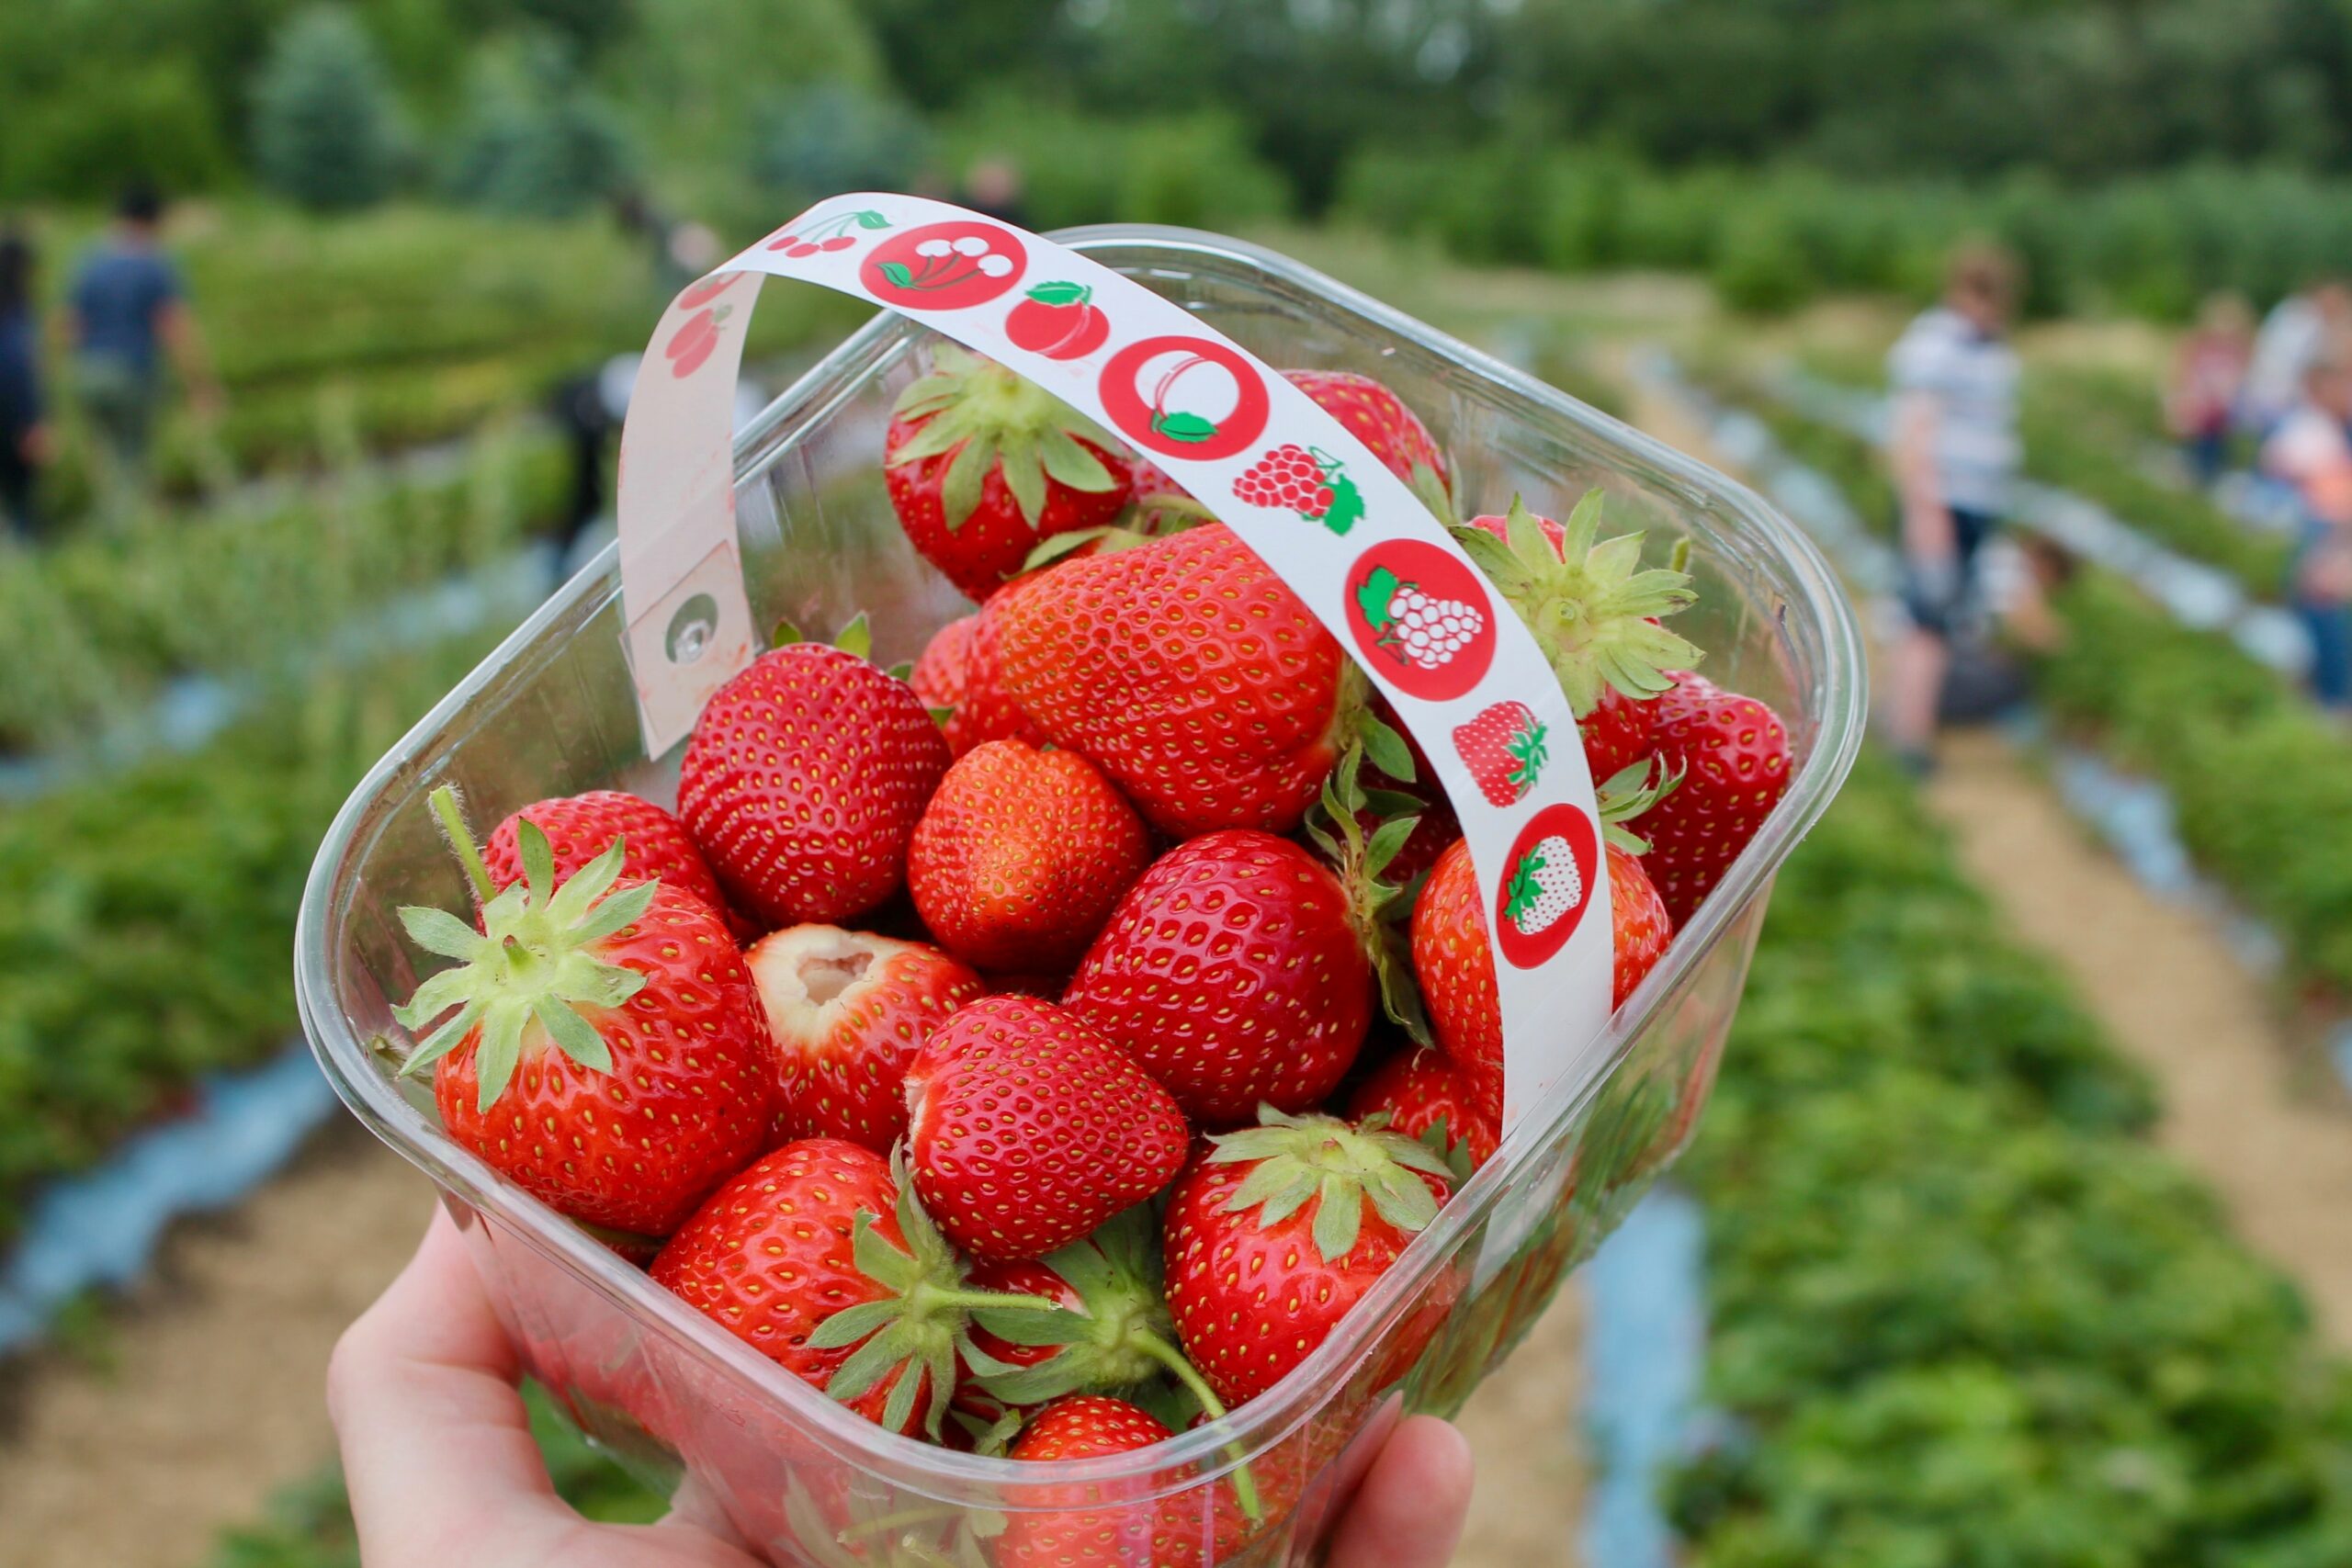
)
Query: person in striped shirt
[{"x": 1954, "y": 449}]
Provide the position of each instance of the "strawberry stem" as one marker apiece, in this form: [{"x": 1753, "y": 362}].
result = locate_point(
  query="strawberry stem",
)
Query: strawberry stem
[
  {"x": 452, "y": 817},
  {"x": 1245, "y": 1486}
]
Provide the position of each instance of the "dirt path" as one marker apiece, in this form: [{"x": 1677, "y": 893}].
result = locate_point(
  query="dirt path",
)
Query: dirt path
[
  {"x": 2174, "y": 996},
  {"x": 2169, "y": 992},
  {"x": 1523, "y": 1424},
  {"x": 212, "y": 1398}
]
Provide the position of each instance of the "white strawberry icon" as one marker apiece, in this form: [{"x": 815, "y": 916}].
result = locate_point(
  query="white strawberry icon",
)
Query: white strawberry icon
[
  {"x": 1544, "y": 885},
  {"x": 1415, "y": 624}
]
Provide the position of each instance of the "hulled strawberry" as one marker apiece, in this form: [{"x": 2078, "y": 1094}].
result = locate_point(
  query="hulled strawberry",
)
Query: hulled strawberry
[
  {"x": 1732, "y": 751},
  {"x": 582, "y": 826},
  {"x": 1453, "y": 954},
  {"x": 803, "y": 780},
  {"x": 848, "y": 1011},
  {"x": 960, "y": 679},
  {"x": 1274, "y": 1232},
  {"x": 601, "y": 1047},
  {"x": 1190, "y": 674},
  {"x": 1425, "y": 1096},
  {"x": 1376, "y": 416},
  {"x": 983, "y": 464},
  {"x": 817, "y": 1255},
  {"x": 1234, "y": 973},
  {"x": 1595, "y": 611},
  {"x": 1021, "y": 856},
  {"x": 1092, "y": 1525},
  {"x": 1026, "y": 1129}
]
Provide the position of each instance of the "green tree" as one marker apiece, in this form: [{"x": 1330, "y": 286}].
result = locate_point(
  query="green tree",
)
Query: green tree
[
  {"x": 537, "y": 140},
  {"x": 325, "y": 127}
]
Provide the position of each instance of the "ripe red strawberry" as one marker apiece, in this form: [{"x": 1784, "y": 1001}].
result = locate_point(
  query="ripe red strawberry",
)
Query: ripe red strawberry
[
  {"x": 1378, "y": 417},
  {"x": 1090, "y": 1526},
  {"x": 1021, "y": 855},
  {"x": 1026, "y": 1129},
  {"x": 1189, "y": 674},
  {"x": 605, "y": 1049},
  {"x": 817, "y": 1255},
  {"x": 803, "y": 781},
  {"x": 983, "y": 464},
  {"x": 582, "y": 826},
  {"x": 964, "y": 671},
  {"x": 1594, "y": 611},
  {"x": 1453, "y": 960},
  {"x": 848, "y": 1011},
  {"x": 1425, "y": 1096},
  {"x": 1733, "y": 753},
  {"x": 1235, "y": 972},
  {"x": 1273, "y": 1232}
]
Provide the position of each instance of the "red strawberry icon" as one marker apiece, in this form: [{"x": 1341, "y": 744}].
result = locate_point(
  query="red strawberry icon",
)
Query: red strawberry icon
[
  {"x": 692, "y": 342},
  {"x": 1504, "y": 749},
  {"x": 1058, "y": 321}
]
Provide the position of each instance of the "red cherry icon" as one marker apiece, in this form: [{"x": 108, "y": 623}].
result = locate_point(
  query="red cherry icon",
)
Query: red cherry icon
[
  {"x": 693, "y": 343},
  {"x": 1058, "y": 321}
]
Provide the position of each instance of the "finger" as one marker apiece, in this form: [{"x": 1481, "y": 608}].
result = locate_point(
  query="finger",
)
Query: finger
[
  {"x": 421, "y": 1391},
  {"x": 1412, "y": 1507}
]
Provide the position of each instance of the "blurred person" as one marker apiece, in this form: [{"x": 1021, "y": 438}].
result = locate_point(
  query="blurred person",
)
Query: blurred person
[
  {"x": 681, "y": 251},
  {"x": 24, "y": 430},
  {"x": 1954, "y": 450},
  {"x": 443, "y": 1473},
  {"x": 126, "y": 313},
  {"x": 2208, "y": 371},
  {"x": 2289, "y": 340},
  {"x": 2310, "y": 452},
  {"x": 992, "y": 186}
]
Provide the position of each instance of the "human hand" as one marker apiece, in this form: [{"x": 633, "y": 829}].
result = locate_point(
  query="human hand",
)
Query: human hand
[{"x": 443, "y": 1472}]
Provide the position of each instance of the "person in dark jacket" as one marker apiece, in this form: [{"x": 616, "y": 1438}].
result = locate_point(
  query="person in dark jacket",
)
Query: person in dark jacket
[{"x": 24, "y": 430}]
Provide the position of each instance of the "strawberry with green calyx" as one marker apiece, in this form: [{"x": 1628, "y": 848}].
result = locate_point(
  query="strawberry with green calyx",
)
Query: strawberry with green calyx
[
  {"x": 1274, "y": 1232},
  {"x": 582, "y": 826},
  {"x": 818, "y": 1255},
  {"x": 1091, "y": 1526},
  {"x": 600, "y": 1046},
  {"x": 982, "y": 464},
  {"x": 1425, "y": 1096},
  {"x": 1378, "y": 904},
  {"x": 1112, "y": 1332},
  {"x": 1593, "y": 607},
  {"x": 1732, "y": 751}
]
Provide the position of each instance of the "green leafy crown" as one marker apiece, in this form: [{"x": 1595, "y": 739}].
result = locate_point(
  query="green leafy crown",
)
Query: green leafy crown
[
  {"x": 996, "y": 416},
  {"x": 1297, "y": 1160},
  {"x": 1592, "y": 605}
]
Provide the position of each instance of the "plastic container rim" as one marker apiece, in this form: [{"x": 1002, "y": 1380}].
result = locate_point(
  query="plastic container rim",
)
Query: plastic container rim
[{"x": 1182, "y": 1462}]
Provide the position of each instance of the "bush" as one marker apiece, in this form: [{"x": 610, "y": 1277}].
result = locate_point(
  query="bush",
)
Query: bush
[
  {"x": 1759, "y": 265},
  {"x": 830, "y": 137},
  {"x": 99, "y": 127},
  {"x": 324, "y": 127},
  {"x": 537, "y": 141},
  {"x": 1193, "y": 169}
]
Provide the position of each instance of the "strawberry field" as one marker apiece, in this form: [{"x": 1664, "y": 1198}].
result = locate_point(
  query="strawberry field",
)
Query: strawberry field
[{"x": 1955, "y": 1292}]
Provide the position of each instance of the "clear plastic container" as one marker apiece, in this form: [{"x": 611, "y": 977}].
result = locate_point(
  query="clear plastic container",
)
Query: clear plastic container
[{"x": 552, "y": 712}]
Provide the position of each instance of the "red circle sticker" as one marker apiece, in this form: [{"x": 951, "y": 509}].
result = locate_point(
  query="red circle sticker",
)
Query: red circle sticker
[
  {"x": 1544, "y": 889},
  {"x": 1184, "y": 397},
  {"x": 1422, "y": 618},
  {"x": 945, "y": 266}
]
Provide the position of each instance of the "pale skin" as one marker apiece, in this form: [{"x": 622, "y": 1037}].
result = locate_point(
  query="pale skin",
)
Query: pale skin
[{"x": 444, "y": 1474}]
